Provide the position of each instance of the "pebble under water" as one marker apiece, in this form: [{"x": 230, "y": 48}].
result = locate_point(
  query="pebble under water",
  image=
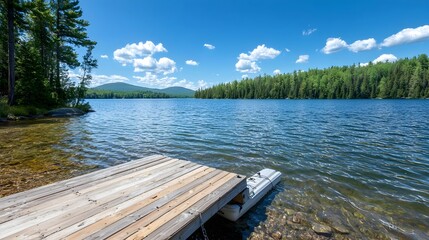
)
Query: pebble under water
[{"x": 352, "y": 169}]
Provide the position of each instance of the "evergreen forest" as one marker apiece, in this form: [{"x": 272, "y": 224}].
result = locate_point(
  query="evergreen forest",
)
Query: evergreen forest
[
  {"x": 405, "y": 78},
  {"x": 109, "y": 94},
  {"x": 41, "y": 42}
]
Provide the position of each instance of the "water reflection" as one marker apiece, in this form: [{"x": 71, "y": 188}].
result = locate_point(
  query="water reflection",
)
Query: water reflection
[
  {"x": 360, "y": 167},
  {"x": 36, "y": 153}
]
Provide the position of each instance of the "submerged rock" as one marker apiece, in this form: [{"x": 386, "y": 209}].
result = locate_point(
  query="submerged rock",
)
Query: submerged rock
[
  {"x": 298, "y": 217},
  {"x": 276, "y": 235},
  {"x": 65, "y": 112},
  {"x": 338, "y": 227},
  {"x": 321, "y": 229},
  {"x": 289, "y": 211}
]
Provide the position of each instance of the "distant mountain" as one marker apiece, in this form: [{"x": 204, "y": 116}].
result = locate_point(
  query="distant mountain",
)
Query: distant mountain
[
  {"x": 121, "y": 87},
  {"x": 180, "y": 91},
  {"x": 125, "y": 87}
]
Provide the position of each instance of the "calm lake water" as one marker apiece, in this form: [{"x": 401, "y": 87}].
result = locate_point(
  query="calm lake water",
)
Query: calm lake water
[{"x": 360, "y": 165}]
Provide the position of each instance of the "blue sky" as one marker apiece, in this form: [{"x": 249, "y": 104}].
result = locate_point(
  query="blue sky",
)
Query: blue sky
[{"x": 200, "y": 43}]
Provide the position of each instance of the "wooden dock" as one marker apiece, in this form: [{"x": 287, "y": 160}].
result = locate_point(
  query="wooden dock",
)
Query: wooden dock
[{"x": 156, "y": 197}]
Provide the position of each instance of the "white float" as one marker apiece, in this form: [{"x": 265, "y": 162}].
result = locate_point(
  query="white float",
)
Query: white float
[{"x": 258, "y": 186}]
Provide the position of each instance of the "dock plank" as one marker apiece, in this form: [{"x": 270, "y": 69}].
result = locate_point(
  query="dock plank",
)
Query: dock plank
[
  {"x": 79, "y": 193},
  {"x": 50, "y": 189},
  {"x": 156, "y": 197}
]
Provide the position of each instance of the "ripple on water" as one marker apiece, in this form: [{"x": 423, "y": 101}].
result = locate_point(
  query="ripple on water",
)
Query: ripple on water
[{"x": 359, "y": 167}]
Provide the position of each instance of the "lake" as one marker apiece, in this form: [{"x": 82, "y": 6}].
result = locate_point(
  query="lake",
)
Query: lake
[{"x": 358, "y": 166}]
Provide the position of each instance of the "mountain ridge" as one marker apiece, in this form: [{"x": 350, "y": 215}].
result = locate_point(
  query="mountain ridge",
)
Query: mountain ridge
[{"x": 126, "y": 87}]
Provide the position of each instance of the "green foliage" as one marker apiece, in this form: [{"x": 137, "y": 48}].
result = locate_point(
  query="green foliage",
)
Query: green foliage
[
  {"x": 47, "y": 35},
  {"x": 87, "y": 65},
  {"x": 21, "y": 110},
  {"x": 176, "y": 92},
  {"x": 406, "y": 78},
  {"x": 107, "y": 94},
  {"x": 85, "y": 107}
]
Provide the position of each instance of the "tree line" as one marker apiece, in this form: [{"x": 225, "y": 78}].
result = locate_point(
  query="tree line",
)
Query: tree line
[
  {"x": 108, "y": 94},
  {"x": 39, "y": 41},
  {"x": 405, "y": 78}
]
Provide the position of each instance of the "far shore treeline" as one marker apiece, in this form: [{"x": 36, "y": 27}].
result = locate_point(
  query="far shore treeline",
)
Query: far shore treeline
[
  {"x": 40, "y": 43},
  {"x": 109, "y": 94},
  {"x": 405, "y": 78}
]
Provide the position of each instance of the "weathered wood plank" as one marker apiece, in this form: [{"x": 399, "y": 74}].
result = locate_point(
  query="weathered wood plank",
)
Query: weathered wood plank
[
  {"x": 181, "y": 209},
  {"x": 30, "y": 195},
  {"x": 200, "y": 212},
  {"x": 150, "y": 214},
  {"x": 82, "y": 202},
  {"x": 51, "y": 202},
  {"x": 154, "y": 198},
  {"x": 154, "y": 203},
  {"x": 68, "y": 225}
]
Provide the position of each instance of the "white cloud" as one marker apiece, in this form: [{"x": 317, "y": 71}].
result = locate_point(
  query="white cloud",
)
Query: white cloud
[
  {"x": 277, "y": 72},
  {"x": 191, "y": 62},
  {"x": 209, "y": 46},
  {"x": 166, "y": 66},
  {"x": 407, "y": 35},
  {"x": 308, "y": 31},
  {"x": 144, "y": 64},
  {"x": 382, "y": 58},
  {"x": 247, "y": 62},
  {"x": 260, "y": 52},
  {"x": 104, "y": 56},
  {"x": 303, "y": 59},
  {"x": 386, "y": 58},
  {"x": 103, "y": 79},
  {"x": 247, "y": 66},
  {"x": 287, "y": 50},
  {"x": 334, "y": 45},
  {"x": 363, "y": 45},
  {"x": 244, "y": 76},
  {"x": 149, "y": 64},
  {"x": 153, "y": 80},
  {"x": 127, "y": 54},
  {"x": 97, "y": 79}
]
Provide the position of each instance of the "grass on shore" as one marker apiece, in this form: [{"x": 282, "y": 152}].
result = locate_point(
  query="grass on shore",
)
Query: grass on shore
[{"x": 5, "y": 109}]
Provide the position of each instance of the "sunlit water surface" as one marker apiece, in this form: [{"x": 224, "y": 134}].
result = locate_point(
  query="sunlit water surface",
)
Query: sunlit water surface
[{"x": 359, "y": 164}]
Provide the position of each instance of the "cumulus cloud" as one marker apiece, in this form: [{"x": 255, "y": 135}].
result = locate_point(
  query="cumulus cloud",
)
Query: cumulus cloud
[
  {"x": 149, "y": 64},
  {"x": 382, "y": 58},
  {"x": 260, "y": 52},
  {"x": 209, "y": 46},
  {"x": 247, "y": 66},
  {"x": 308, "y": 31},
  {"x": 97, "y": 79},
  {"x": 303, "y": 59},
  {"x": 385, "y": 58},
  {"x": 277, "y": 72},
  {"x": 247, "y": 62},
  {"x": 191, "y": 62},
  {"x": 153, "y": 80},
  {"x": 334, "y": 45},
  {"x": 104, "y": 56},
  {"x": 127, "y": 54},
  {"x": 363, "y": 45},
  {"x": 407, "y": 35}
]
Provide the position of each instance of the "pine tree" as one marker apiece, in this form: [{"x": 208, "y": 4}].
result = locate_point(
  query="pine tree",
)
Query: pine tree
[{"x": 69, "y": 32}]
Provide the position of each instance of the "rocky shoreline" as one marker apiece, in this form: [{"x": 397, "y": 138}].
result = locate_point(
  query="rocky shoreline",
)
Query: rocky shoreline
[{"x": 55, "y": 113}]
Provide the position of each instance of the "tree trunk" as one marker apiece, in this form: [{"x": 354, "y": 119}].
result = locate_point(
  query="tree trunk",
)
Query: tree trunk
[
  {"x": 11, "y": 51},
  {"x": 57, "y": 52}
]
